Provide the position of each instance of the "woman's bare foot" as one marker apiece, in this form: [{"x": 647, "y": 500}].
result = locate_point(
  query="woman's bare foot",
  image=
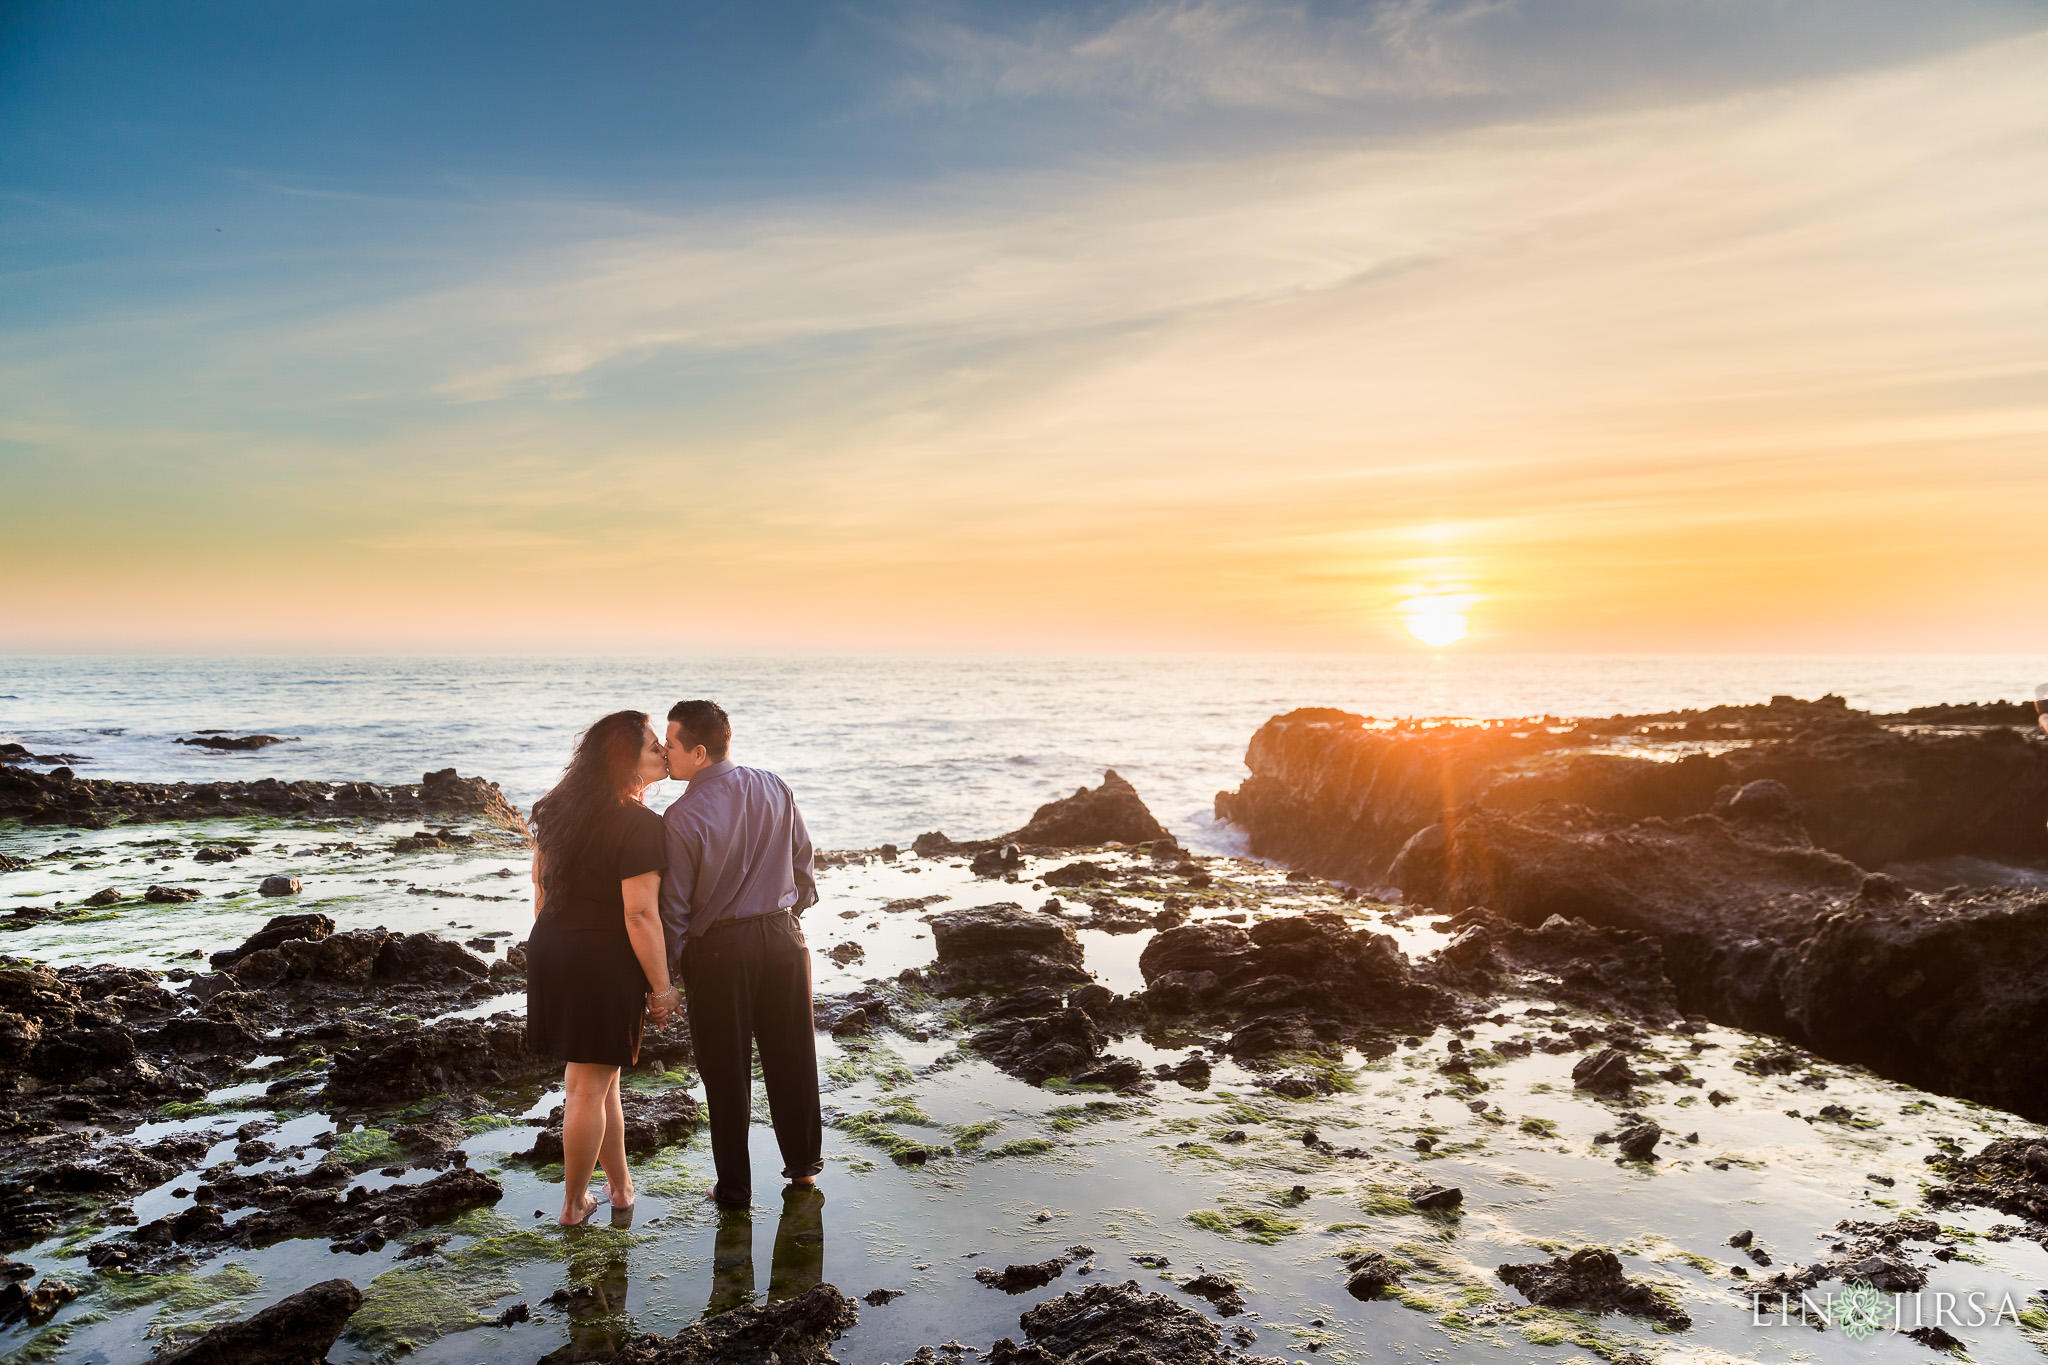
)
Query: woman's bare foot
[
  {"x": 572, "y": 1218},
  {"x": 611, "y": 1196}
]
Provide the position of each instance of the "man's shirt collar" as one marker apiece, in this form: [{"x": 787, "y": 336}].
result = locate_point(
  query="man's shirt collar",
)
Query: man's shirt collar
[{"x": 711, "y": 774}]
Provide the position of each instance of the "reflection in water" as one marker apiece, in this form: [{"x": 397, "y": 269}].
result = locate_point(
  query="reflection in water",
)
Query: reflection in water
[
  {"x": 799, "y": 1258},
  {"x": 595, "y": 1300}
]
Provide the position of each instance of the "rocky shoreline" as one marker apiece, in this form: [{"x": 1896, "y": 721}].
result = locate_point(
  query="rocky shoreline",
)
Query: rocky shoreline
[
  {"x": 1542, "y": 957},
  {"x": 1746, "y": 865}
]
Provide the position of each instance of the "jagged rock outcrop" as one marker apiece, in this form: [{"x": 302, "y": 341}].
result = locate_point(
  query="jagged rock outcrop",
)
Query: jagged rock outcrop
[
  {"x": 1288, "y": 981},
  {"x": 447, "y": 1057},
  {"x": 797, "y": 1331},
  {"x": 1112, "y": 813},
  {"x": 1336, "y": 796},
  {"x": 59, "y": 798},
  {"x": 299, "y": 1330},
  {"x": 1590, "y": 1281},
  {"x": 1004, "y": 942},
  {"x": 1112, "y": 1324}
]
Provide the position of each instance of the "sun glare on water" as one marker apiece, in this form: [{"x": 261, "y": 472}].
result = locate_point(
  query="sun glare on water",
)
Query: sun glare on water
[{"x": 1438, "y": 619}]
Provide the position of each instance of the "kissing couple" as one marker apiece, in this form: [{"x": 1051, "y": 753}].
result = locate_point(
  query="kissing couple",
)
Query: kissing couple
[{"x": 642, "y": 916}]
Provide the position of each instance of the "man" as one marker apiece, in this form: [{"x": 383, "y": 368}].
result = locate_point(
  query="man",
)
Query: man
[{"x": 739, "y": 874}]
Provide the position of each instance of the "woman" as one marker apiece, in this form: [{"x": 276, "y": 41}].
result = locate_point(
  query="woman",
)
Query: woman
[{"x": 597, "y": 951}]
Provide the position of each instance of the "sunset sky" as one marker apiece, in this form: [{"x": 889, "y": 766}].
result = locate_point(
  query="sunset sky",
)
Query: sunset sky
[{"x": 1607, "y": 326}]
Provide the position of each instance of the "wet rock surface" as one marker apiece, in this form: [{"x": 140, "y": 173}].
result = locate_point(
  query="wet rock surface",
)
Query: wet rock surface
[
  {"x": 1112, "y": 813},
  {"x": 1290, "y": 982},
  {"x": 1735, "y": 867},
  {"x": 299, "y": 1330},
  {"x": 449, "y": 1056},
  {"x": 797, "y": 1331},
  {"x": 1590, "y": 1280},
  {"x": 1332, "y": 794},
  {"x": 315, "y": 1203},
  {"x": 1113, "y": 1324},
  {"x": 95, "y": 803},
  {"x": 1004, "y": 942}
]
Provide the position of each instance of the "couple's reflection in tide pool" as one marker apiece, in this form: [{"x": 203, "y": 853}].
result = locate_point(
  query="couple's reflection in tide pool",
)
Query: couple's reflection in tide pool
[
  {"x": 595, "y": 1302},
  {"x": 799, "y": 1258}
]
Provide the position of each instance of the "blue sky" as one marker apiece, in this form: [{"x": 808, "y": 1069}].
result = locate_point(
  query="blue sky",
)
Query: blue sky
[{"x": 1198, "y": 305}]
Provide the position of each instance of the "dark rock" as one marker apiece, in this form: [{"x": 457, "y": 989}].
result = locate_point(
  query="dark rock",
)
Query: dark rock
[
  {"x": 876, "y": 1298},
  {"x": 1639, "y": 1143},
  {"x": 1017, "y": 1279},
  {"x": 1617, "y": 971},
  {"x": 428, "y": 959},
  {"x": 2007, "y": 1174},
  {"x": 652, "y": 1122},
  {"x": 1193, "y": 1072},
  {"x": 1109, "y": 814},
  {"x": 1217, "y": 1290},
  {"x": 1605, "y": 1072},
  {"x": 279, "y": 930},
  {"x": 218, "y": 855},
  {"x": 1118, "y": 1073},
  {"x": 1181, "y": 992},
  {"x": 1114, "y": 1324},
  {"x": 797, "y": 1331},
  {"x": 1083, "y": 873},
  {"x": 843, "y": 953},
  {"x": 1371, "y": 1275},
  {"x": 452, "y": 1056},
  {"x": 50, "y": 799},
  {"x": 1005, "y": 942},
  {"x": 1737, "y": 866},
  {"x": 434, "y": 1135},
  {"x": 994, "y": 862},
  {"x": 299, "y": 1330},
  {"x": 170, "y": 895},
  {"x": 35, "y": 1305},
  {"x": 1436, "y": 1198},
  {"x": 279, "y": 886},
  {"x": 1061, "y": 1042},
  {"x": 1590, "y": 1281},
  {"x": 216, "y": 739},
  {"x": 1938, "y": 1338},
  {"x": 1311, "y": 962}
]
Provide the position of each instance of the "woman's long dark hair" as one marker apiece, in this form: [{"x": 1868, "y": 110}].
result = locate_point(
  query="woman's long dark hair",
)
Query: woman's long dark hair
[{"x": 602, "y": 772}]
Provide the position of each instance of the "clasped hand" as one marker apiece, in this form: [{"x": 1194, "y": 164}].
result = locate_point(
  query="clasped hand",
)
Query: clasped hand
[{"x": 664, "y": 1006}]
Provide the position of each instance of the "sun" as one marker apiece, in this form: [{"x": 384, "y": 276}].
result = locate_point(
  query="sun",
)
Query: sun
[{"x": 1438, "y": 619}]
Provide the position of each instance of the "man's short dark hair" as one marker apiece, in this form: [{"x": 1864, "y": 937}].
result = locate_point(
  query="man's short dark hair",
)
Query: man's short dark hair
[{"x": 705, "y": 723}]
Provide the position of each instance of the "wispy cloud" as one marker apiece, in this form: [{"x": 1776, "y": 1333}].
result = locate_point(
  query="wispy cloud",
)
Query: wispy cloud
[
  {"x": 1637, "y": 355},
  {"x": 1198, "y": 52}
]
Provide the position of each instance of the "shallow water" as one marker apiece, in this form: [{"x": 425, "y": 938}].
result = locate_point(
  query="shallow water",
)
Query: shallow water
[{"x": 1111, "y": 1175}]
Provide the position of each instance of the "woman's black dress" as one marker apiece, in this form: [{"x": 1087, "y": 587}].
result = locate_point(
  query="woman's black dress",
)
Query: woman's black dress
[{"x": 584, "y": 987}]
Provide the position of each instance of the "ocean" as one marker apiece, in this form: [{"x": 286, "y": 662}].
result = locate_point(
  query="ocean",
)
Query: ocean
[{"x": 880, "y": 748}]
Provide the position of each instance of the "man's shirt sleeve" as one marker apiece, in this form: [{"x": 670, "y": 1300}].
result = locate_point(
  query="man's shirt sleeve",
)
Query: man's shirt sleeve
[
  {"x": 678, "y": 882},
  {"x": 800, "y": 859}
]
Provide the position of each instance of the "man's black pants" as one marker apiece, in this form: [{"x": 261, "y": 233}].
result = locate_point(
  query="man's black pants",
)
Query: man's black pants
[{"x": 748, "y": 983}]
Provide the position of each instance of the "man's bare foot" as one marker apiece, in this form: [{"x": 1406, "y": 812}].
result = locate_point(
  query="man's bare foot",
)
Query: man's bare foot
[
  {"x": 572, "y": 1218},
  {"x": 804, "y": 1180}
]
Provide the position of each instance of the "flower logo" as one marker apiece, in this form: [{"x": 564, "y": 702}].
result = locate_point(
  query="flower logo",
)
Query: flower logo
[{"x": 1861, "y": 1309}]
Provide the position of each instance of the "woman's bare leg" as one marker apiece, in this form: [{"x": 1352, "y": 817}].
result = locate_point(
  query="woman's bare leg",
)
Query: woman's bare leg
[
  {"x": 611, "y": 1154},
  {"x": 589, "y": 1087}
]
